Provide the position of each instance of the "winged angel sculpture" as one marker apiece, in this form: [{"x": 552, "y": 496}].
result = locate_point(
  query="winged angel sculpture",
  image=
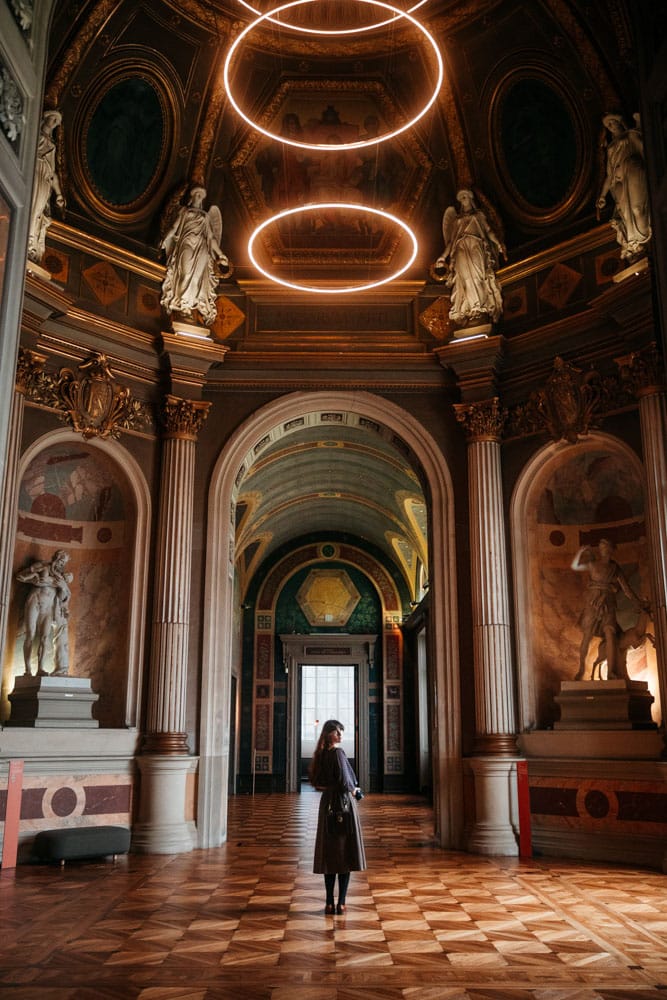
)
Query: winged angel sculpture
[
  {"x": 469, "y": 262},
  {"x": 192, "y": 246}
]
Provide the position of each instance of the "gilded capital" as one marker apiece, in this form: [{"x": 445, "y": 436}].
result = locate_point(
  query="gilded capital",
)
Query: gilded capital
[
  {"x": 29, "y": 367},
  {"x": 482, "y": 421},
  {"x": 183, "y": 418},
  {"x": 644, "y": 370}
]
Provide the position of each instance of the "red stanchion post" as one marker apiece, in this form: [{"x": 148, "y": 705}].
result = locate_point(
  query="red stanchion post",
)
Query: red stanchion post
[{"x": 523, "y": 795}]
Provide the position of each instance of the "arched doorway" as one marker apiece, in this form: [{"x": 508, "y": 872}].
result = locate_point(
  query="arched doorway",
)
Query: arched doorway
[{"x": 370, "y": 411}]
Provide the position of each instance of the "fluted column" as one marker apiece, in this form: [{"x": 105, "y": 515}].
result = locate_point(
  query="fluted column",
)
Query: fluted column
[
  {"x": 646, "y": 373},
  {"x": 164, "y": 764},
  {"x": 495, "y": 736},
  {"x": 29, "y": 366}
]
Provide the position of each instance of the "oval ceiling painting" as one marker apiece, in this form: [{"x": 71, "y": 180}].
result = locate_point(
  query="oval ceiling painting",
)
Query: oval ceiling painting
[
  {"x": 538, "y": 143},
  {"x": 125, "y": 142}
]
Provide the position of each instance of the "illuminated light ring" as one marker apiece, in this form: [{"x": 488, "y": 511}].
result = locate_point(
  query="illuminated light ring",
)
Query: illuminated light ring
[
  {"x": 344, "y": 31},
  {"x": 331, "y": 204},
  {"x": 360, "y": 143}
]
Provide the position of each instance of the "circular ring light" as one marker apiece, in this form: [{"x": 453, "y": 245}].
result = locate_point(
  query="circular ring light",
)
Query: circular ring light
[
  {"x": 343, "y": 31},
  {"x": 361, "y": 143},
  {"x": 300, "y": 287}
]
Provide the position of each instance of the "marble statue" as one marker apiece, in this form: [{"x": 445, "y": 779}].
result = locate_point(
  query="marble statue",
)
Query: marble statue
[
  {"x": 470, "y": 259},
  {"x": 599, "y": 618},
  {"x": 46, "y": 185},
  {"x": 625, "y": 181},
  {"x": 46, "y": 613},
  {"x": 192, "y": 246}
]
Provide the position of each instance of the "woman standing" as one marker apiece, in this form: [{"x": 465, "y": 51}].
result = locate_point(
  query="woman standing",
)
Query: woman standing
[{"x": 339, "y": 846}]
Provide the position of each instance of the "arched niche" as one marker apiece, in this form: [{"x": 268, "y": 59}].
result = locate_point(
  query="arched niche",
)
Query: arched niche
[
  {"x": 91, "y": 499},
  {"x": 569, "y": 496},
  {"x": 219, "y": 605}
]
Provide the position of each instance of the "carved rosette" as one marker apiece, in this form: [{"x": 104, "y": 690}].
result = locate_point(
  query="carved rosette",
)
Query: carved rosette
[
  {"x": 182, "y": 419},
  {"x": 29, "y": 371},
  {"x": 94, "y": 405},
  {"x": 644, "y": 371},
  {"x": 483, "y": 421}
]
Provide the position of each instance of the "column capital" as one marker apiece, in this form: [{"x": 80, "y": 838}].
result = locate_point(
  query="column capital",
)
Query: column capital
[
  {"x": 182, "y": 419},
  {"x": 476, "y": 364},
  {"x": 29, "y": 366},
  {"x": 644, "y": 370},
  {"x": 483, "y": 421}
]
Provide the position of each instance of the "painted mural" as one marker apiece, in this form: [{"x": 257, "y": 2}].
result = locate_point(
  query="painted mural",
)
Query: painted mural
[
  {"x": 73, "y": 498},
  {"x": 584, "y": 495}
]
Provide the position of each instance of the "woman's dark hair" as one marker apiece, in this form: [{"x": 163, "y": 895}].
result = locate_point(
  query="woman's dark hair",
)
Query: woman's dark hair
[{"x": 330, "y": 726}]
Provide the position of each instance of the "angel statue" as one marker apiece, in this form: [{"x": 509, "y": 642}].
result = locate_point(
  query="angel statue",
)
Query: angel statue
[
  {"x": 45, "y": 187},
  {"x": 625, "y": 181},
  {"x": 469, "y": 262},
  {"x": 192, "y": 246}
]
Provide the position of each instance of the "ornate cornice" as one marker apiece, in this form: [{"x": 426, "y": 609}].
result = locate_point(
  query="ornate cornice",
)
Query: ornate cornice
[
  {"x": 483, "y": 421},
  {"x": 182, "y": 419},
  {"x": 643, "y": 371}
]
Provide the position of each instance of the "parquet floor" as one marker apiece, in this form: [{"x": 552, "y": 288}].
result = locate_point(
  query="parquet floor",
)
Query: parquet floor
[{"x": 246, "y": 921}]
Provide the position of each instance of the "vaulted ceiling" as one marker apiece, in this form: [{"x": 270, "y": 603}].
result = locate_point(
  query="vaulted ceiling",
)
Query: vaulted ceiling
[{"x": 517, "y": 118}]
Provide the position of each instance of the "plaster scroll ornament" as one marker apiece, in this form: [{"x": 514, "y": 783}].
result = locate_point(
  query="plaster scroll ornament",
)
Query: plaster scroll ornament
[
  {"x": 46, "y": 186},
  {"x": 192, "y": 246},
  {"x": 12, "y": 117},
  {"x": 469, "y": 262},
  {"x": 625, "y": 180},
  {"x": 46, "y": 613}
]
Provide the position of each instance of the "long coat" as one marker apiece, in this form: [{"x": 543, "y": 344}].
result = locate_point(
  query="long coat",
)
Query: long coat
[{"x": 337, "y": 853}]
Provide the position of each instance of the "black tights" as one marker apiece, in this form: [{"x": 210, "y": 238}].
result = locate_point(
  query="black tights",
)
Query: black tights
[{"x": 330, "y": 884}]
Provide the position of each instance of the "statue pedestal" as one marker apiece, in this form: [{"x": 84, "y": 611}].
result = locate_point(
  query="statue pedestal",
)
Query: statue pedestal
[
  {"x": 617, "y": 704},
  {"x": 53, "y": 703}
]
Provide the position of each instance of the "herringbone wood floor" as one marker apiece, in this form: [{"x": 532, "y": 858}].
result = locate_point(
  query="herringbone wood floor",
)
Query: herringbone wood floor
[{"x": 246, "y": 921}]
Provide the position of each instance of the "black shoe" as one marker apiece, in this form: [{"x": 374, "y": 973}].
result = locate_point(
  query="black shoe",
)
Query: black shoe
[
  {"x": 329, "y": 908},
  {"x": 341, "y": 908}
]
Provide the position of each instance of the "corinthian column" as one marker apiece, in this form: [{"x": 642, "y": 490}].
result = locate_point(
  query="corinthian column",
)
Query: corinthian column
[
  {"x": 165, "y": 763},
  {"x": 495, "y": 743},
  {"x": 28, "y": 369},
  {"x": 645, "y": 371}
]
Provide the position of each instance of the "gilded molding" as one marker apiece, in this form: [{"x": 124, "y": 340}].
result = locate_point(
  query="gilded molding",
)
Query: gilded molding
[
  {"x": 482, "y": 421},
  {"x": 643, "y": 371},
  {"x": 165, "y": 744},
  {"x": 182, "y": 419},
  {"x": 29, "y": 371}
]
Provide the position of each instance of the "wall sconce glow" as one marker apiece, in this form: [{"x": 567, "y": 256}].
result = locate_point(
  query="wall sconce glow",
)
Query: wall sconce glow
[
  {"x": 360, "y": 143},
  {"x": 344, "y": 31},
  {"x": 317, "y": 206}
]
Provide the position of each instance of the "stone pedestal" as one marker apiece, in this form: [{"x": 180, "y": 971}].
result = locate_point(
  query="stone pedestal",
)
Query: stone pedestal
[
  {"x": 53, "y": 703},
  {"x": 595, "y": 705}
]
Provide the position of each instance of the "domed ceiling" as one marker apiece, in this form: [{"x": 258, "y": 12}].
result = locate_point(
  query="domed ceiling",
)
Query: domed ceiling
[
  {"x": 517, "y": 117},
  {"x": 152, "y": 105}
]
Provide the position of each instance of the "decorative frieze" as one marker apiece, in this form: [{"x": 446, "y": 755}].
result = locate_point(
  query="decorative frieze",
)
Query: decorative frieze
[{"x": 12, "y": 115}]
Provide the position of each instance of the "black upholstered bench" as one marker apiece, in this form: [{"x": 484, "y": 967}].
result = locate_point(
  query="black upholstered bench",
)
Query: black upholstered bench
[{"x": 80, "y": 842}]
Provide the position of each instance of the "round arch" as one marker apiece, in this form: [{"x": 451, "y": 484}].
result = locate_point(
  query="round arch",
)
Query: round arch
[
  {"x": 129, "y": 469},
  {"x": 522, "y": 549},
  {"x": 218, "y": 620}
]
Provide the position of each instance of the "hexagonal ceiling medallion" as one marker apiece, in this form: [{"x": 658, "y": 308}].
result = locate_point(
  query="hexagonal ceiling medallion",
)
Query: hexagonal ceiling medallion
[{"x": 328, "y": 597}]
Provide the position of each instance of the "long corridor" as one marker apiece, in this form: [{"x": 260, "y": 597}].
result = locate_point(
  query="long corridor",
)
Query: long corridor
[{"x": 246, "y": 921}]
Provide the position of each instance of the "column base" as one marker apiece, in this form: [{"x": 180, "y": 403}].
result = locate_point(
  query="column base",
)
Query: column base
[
  {"x": 495, "y": 803},
  {"x": 162, "y": 827}
]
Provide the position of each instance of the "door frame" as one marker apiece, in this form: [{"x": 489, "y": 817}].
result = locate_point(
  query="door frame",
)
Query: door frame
[{"x": 326, "y": 650}]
